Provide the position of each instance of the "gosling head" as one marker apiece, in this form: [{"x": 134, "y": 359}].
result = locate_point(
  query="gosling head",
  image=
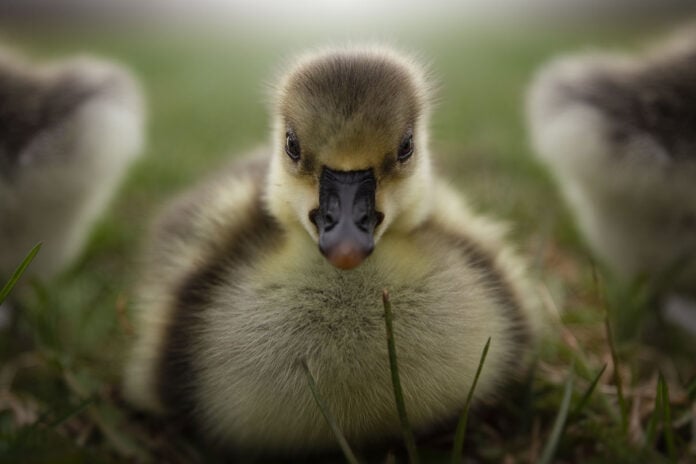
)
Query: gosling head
[{"x": 350, "y": 158}]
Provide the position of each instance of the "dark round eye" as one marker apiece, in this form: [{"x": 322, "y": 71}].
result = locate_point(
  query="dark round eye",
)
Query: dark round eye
[
  {"x": 405, "y": 148},
  {"x": 292, "y": 146}
]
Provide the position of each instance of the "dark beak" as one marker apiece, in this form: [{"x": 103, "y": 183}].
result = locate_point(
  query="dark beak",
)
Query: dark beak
[{"x": 346, "y": 217}]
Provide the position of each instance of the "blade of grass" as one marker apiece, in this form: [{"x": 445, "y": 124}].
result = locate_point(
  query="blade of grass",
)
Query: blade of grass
[
  {"x": 18, "y": 272},
  {"x": 691, "y": 390},
  {"x": 588, "y": 393},
  {"x": 667, "y": 419},
  {"x": 71, "y": 413},
  {"x": 623, "y": 407},
  {"x": 343, "y": 443},
  {"x": 109, "y": 420},
  {"x": 662, "y": 411},
  {"x": 559, "y": 423},
  {"x": 617, "y": 376},
  {"x": 657, "y": 411},
  {"x": 464, "y": 418},
  {"x": 409, "y": 441}
]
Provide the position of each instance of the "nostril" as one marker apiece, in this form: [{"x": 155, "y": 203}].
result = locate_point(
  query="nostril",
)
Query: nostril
[
  {"x": 363, "y": 222},
  {"x": 329, "y": 219},
  {"x": 313, "y": 216}
]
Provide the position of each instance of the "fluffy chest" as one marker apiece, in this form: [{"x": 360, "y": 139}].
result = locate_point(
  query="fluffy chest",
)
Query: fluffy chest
[
  {"x": 262, "y": 326},
  {"x": 298, "y": 305},
  {"x": 295, "y": 305}
]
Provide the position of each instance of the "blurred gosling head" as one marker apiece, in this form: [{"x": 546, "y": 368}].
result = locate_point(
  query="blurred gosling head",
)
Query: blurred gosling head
[
  {"x": 618, "y": 133},
  {"x": 345, "y": 122}
]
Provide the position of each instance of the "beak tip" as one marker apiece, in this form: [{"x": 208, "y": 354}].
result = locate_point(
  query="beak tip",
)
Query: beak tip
[{"x": 346, "y": 257}]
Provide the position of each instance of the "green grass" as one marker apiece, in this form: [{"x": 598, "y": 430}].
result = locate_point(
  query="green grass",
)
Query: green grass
[
  {"x": 406, "y": 430},
  {"x": 17, "y": 274},
  {"x": 338, "y": 433},
  {"x": 558, "y": 424},
  {"x": 460, "y": 431},
  {"x": 60, "y": 361}
]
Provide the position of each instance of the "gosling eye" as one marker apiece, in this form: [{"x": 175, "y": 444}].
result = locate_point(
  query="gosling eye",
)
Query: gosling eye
[
  {"x": 405, "y": 148},
  {"x": 292, "y": 146}
]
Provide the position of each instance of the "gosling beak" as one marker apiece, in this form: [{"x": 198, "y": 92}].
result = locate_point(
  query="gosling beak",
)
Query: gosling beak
[{"x": 346, "y": 217}]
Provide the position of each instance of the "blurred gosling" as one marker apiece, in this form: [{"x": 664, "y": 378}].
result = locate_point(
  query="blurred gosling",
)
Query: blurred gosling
[
  {"x": 619, "y": 134},
  {"x": 68, "y": 131}
]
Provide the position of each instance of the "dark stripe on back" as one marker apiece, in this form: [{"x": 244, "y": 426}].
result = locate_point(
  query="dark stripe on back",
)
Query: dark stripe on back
[
  {"x": 177, "y": 378},
  {"x": 28, "y": 107},
  {"x": 660, "y": 100},
  {"x": 496, "y": 281}
]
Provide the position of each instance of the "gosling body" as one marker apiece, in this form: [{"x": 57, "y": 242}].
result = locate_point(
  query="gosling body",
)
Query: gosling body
[
  {"x": 236, "y": 294},
  {"x": 617, "y": 133},
  {"x": 68, "y": 132}
]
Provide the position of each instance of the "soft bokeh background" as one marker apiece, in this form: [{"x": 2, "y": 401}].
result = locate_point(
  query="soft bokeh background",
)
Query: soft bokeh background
[{"x": 206, "y": 67}]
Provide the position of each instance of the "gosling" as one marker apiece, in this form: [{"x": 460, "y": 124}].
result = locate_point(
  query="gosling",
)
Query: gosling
[
  {"x": 283, "y": 260},
  {"x": 68, "y": 132},
  {"x": 618, "y": 134}
]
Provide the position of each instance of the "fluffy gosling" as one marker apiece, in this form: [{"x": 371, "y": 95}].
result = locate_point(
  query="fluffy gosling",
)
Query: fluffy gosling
[{"x": 284, "y": 258}]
